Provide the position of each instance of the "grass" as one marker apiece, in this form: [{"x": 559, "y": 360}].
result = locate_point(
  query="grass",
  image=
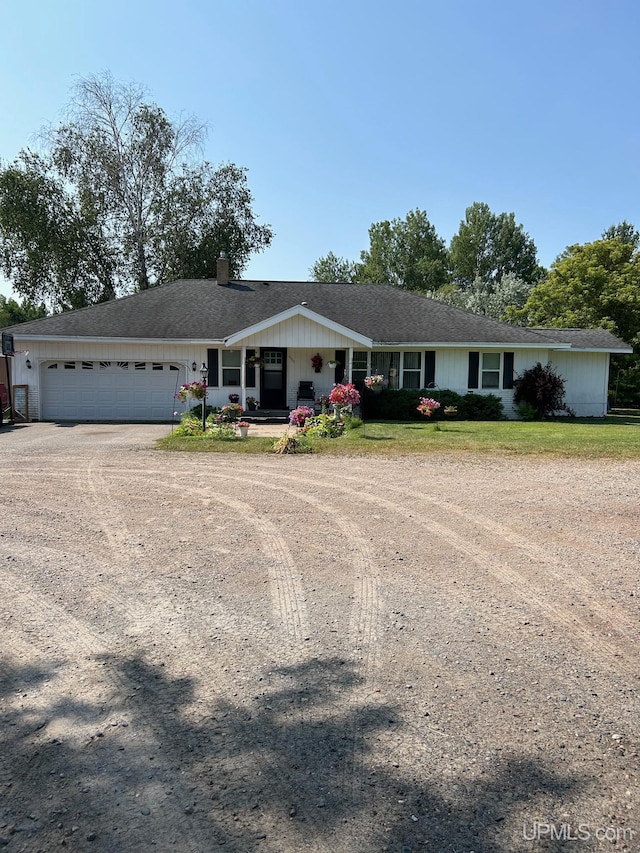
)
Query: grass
[{"x": 613, "y": 437}]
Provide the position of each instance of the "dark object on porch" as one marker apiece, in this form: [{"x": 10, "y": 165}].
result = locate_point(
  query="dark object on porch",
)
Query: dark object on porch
[{"x": 306, "y": 393}]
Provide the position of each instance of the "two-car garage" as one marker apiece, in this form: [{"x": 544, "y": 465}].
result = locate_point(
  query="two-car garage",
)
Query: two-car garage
[{"x": 109, "y": 390}]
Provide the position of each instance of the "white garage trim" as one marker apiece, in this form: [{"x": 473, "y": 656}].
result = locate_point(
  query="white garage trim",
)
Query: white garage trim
[{"x": 126, "y": 391}]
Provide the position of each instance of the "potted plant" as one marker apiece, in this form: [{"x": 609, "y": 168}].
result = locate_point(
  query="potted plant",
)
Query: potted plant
[
  {"x": 332, "y": 364},
  {"x": 316, "y": 362},
  {"x": 253, "y": 404},
  {"x": 234, "y": 398},
  {"x": 255, "y": 361},
  {"x": 243, "y": 428},
  {"x": 230, "y": 413}
]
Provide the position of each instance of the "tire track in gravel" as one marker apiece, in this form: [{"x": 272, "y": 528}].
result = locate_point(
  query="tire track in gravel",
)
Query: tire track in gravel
[
  {"x": 521, "y": 584},
  {"x": 219, "y": 683},
  {"x": 362, "y": 637},
  {"x": 285, "y": 587}
]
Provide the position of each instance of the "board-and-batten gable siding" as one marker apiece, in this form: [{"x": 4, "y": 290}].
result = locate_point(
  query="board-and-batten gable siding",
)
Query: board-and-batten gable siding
[{"x": 297, "y": 332}]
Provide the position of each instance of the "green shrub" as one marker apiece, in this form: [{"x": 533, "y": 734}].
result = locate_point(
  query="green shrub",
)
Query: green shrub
[
  {"x": 323, "y": 426},
  {"x": 402, "y": 405}
]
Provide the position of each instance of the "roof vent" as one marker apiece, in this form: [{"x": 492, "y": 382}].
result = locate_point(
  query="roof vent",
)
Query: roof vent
[
  {"x": 222, "y": 270},
  {"x": 303, "y": 303},
  {"x": 265, "y": 284}
]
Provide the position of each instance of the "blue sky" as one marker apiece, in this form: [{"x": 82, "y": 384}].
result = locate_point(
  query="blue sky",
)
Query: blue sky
[{"x": 347, "y": 113}]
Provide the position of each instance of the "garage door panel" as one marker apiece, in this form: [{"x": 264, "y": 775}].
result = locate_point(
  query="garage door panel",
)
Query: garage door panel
[{"x": 109, "y": 391}]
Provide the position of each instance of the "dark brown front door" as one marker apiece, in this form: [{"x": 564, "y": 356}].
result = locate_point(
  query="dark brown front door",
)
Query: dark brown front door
[{"x": 273, "y": 379}]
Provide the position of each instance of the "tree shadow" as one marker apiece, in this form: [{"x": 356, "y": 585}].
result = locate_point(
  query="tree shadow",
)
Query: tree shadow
[{"x": 295, "y": 763}]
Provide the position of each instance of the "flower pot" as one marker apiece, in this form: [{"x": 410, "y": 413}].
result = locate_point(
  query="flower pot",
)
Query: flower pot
[
  {"x": 376, "y": 389},
  {"x": 244, "y": 431},
  {"x": 317, "y": 369}
]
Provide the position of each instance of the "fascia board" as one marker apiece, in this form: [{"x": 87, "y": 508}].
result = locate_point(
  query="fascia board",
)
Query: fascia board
[
  {"x": 501, "y": 345},
  {"x": 112, "y": 340},
  {"x": 298, "y": 311}
]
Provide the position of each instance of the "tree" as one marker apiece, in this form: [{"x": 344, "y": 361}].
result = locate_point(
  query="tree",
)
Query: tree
[
  {"x": 332, "y": 268},
  {"x": 12, "y": 312},
  {"x": 500, "y": 301},
  {"x": 596, "y": 285},
  {"x": 623, "y": 231},
  {"x": 488, "y": 246},
  {"x": 122, "y": 205},
  {"x": 406, "y": 253}
]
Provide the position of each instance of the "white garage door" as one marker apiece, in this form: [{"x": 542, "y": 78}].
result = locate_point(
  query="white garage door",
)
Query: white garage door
[{"x": 109, "y": 390}]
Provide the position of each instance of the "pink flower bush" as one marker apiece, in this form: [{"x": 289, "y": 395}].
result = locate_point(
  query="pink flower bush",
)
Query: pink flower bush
[
  {"x": 345, "y": 395},
  {"x": 298, "y": 416},
  {"x": 428, "y": 406}
]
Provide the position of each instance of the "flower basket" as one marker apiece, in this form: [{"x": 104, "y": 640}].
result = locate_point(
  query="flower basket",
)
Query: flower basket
[
  {"x": 375, "y": 383},
  {"x": 255, "y": 361},
  {"x": 316, "y": 362},
  {"x": 193, "y": 390},
  {"x": 428, "y": 406}
]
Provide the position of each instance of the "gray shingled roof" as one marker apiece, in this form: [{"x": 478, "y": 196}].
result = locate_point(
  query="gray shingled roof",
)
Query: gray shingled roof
[
  {"x": 585, "y": 338},
  {"x": 202, "y": 310}
]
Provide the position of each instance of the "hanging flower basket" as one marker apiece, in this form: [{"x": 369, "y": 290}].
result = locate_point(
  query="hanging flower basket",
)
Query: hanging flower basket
[
  {"x": 375, "y": 383},
  {"x": 193, "y": 390},
  {"x": 255, "y": 361}
]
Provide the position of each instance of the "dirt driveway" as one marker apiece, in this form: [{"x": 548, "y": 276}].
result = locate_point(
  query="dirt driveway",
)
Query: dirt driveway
[{"x": 281, "y": 654}]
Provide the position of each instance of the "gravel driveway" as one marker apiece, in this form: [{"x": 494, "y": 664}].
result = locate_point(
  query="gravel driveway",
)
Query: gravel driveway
[{"x": 259, "y": 653}]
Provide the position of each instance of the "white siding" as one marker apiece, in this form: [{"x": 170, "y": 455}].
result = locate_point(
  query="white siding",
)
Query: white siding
[
  {"x": 298, "y": 332},
  {"x": 586, "y": 376}
]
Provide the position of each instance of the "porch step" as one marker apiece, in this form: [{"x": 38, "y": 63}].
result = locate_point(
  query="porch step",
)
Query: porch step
[{"x": 266, "y": 416}]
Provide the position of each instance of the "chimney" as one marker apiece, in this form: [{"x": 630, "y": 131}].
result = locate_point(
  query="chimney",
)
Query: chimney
[{"x": 223, "y": 270}]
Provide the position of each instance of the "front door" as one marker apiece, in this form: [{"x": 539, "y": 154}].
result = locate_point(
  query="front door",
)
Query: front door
[{"x": 273, "y": 379}]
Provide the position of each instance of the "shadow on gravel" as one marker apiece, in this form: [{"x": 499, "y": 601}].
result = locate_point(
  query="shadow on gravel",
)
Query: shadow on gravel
[{"x": 284, "y": 768}]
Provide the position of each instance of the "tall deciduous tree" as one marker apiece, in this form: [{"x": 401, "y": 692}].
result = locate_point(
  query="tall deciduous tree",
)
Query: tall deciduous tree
[
  {"x": 488, "y": 246},
  {"x": 332, "y": 268},
  {"x": 121, "y": 204},
  {"x": 13, "y": 312},
  {"x": 596, "y": 285},
  {"x": 500, "y": 301},
  {"x": 623, "y": 231},
  {"x": 405, "y": 252}
]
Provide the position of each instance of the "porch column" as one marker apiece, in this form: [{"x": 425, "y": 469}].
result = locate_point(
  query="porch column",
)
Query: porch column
[
  {"x": 243, "y": 378},
  {"x": 350, "y": 367}
]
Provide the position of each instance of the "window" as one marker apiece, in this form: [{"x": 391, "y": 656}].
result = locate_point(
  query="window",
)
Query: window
[
  {"x": 386, "y": 364},
  {"x": 87, "y": 365},
  {"x": 412, "y": 365},
  {"x": 359, "y": 366},
  {"x": 140, "y": 365},
  {"x": 490, "y": 370},
  {"x": 231, "y": 367},
  {"x": 69, "y": 365}
]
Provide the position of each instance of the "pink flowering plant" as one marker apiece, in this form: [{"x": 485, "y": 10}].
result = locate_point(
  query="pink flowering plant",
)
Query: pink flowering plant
[
  {"x": 345, "y": 395},
  {"x": 428, "y": 406},
  {"x": 197, "y": 390},
  {"x": 299, "y": 416},
  {"x": 375, "y": 382}
]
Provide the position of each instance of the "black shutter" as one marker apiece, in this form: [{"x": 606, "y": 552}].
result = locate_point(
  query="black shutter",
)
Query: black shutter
[
  {"x": 474, "y": 369},
  {"x": 250, "y": 371},
  {"x": 507, "y": 370},
  {"x": 429, "y": 368},
  {"x": 212, "y": 364},
  {"x": 341, "y": 358}
]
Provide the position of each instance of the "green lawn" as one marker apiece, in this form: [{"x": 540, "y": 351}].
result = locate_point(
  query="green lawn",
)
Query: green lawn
[{"x": 613, "y": 437}]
